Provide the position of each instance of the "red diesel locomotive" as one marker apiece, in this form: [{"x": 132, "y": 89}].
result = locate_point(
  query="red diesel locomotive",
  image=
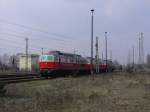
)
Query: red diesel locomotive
[{"x": 56, "y": 62}]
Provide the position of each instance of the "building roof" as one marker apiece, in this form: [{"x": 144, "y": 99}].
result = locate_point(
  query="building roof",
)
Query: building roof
[{"x": 30, "y": 55}]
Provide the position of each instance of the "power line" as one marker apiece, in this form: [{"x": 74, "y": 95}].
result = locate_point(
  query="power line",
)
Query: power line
[
  {"x": 7, "y": 40},
  {"x": 12, "y": 42},
  {"x": 40, "y": 40},
  {"x": 21, "y": 37},
  {"x": 15, "y": 44},
  {"x": 35, "y": 29},
  {"x": 10, "y": 48},
  {"x": 16, "y": 35},
  {"x": 43, "y": 36}
]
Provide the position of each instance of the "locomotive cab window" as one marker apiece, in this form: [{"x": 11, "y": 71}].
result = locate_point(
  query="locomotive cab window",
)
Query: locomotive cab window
[
  {"x": 50, "y": 58},
  {"x": 43, "y": 58}
]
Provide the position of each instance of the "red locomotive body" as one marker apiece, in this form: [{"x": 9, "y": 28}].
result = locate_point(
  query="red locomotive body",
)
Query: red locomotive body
[{"x": 56, "y": 62}]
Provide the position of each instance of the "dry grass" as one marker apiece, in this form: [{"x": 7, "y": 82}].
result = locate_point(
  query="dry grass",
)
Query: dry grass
[{"x": 104, "y": 93}]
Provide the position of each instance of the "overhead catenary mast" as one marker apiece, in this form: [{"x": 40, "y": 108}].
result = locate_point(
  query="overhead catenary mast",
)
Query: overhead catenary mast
[
  {"x": 139, "y": 51},
  {"x": 133, "y": 56},
  {"x": 102, "y": 56},
  {"x": 42, "y": 50},
  {"x": 111, "y": 55},
  {"x": 129, "y": 58},
  {"x": 26, "y": 39},
  {"x": 106, "y": 48},
  {"x": 97, "y": 56},
  {"x": 92, "y": 11},
  {"x": 142, "y": 49}
]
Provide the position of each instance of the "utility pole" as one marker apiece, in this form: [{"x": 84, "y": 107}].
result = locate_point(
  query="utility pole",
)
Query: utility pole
[
  {"x": 106, "y": 47},
  {"x": 97, "y": 56},
  {"x": 92, "y": 11},
  {"x": 133, "y": 57},
  {"x": 42, "y": 50},
  {"x": 102, "y": 56},
  {"x": 139, "y": 51},
  {"x": 111, "y": 55},
  {"x": 129, "y": 59},
  {"x": 26, "y": 39},
  {"x": 142, "y": 50}
]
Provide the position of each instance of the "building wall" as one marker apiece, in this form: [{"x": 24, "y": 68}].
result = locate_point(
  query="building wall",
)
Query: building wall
[
  {"x": 32, "y": 63},
  {"x": 22, "y": 63}
]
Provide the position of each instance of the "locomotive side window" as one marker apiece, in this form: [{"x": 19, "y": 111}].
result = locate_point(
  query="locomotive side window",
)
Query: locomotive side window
[{"x": 56, "y": 58}]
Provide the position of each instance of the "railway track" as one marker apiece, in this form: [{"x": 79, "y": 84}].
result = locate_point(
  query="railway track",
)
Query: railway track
[
  {"x": 23, "y": 77},
  {"x": 15, "y": 78}
]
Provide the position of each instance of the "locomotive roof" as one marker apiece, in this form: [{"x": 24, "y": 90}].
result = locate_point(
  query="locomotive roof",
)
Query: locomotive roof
[{"x": 62, "y": 53}]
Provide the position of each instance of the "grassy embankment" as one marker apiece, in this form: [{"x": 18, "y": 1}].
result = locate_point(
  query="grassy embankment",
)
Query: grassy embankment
[{"x": 104, "y": 93}]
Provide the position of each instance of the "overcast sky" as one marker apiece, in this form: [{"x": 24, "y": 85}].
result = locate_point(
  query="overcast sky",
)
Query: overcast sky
[{"x": 65, "y": 25}]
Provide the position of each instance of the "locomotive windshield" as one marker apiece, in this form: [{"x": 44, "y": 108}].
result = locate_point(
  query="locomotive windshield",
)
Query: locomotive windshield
[{"x": 48, "y": 58}]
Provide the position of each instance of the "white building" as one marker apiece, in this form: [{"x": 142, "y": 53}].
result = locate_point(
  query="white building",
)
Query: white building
[{"x": 31, "y": 64}]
